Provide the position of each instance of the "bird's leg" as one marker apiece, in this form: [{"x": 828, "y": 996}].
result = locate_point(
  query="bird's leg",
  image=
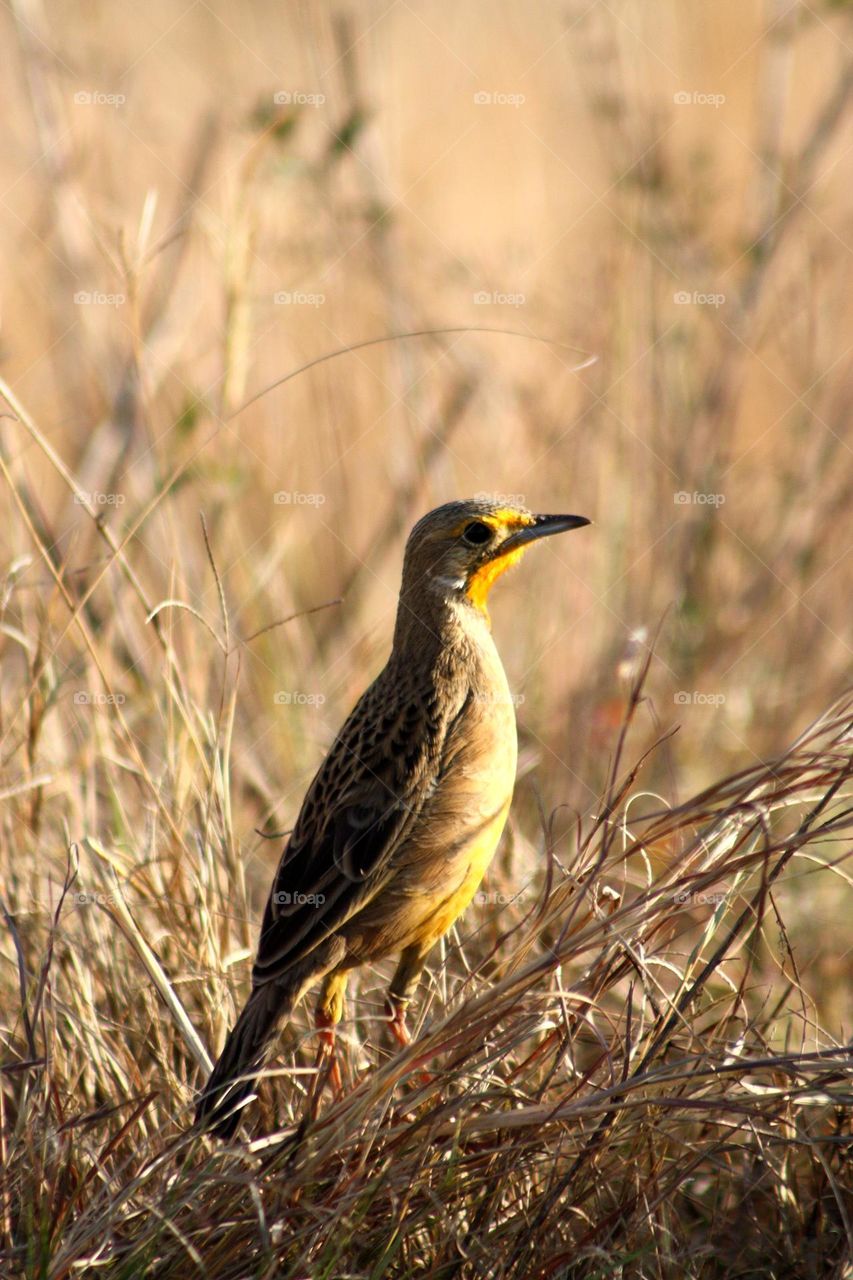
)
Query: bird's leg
[
  {"x": 327, "y": 1051},
  {"x": 327, "y": 1015},
  {"x": 400, "y": 991}
]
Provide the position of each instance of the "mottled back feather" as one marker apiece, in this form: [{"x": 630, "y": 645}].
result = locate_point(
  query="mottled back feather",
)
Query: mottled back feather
[{"x": 361, "y": 807}]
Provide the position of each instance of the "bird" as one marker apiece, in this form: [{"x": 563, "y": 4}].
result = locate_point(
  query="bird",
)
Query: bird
[{"x": 401, "y": 820}]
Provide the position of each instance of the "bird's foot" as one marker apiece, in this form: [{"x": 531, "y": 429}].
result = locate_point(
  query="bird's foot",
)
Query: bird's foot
[{"x": 397, "y": 1006}]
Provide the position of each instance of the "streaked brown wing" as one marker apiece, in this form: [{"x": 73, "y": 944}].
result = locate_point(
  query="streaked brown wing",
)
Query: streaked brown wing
[
  {"x": 358, "y": 810},
  {"x": 362, "y": 836}
]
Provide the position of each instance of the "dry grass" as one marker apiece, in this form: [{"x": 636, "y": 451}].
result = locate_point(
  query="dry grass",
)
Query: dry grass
[{"x": 639, "y": 1037}]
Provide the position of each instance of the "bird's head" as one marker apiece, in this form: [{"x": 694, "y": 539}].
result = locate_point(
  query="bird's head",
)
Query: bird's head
[{"x": 457, "y": 552}]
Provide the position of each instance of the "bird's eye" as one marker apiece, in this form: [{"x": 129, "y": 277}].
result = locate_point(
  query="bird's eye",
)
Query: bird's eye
[{"x": 477, "y": 534}]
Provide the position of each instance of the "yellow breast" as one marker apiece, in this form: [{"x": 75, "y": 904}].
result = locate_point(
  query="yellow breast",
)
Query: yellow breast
[
  {"x": 461, "y": 825},
  {"x": 442, "y": 912}
]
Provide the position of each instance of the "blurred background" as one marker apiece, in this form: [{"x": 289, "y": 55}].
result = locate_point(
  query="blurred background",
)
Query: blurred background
[{"x": 196, "y": 200}]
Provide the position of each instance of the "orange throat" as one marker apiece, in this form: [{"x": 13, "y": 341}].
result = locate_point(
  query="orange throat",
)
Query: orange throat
[{"x": 481, "y": 582}]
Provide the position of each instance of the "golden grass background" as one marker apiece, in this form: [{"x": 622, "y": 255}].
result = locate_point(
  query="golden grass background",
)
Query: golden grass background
[{"x": 199, "y": 199}]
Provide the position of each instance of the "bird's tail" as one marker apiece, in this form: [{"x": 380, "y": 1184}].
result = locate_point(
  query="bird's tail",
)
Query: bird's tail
[{"x": 234, "y": 1076}]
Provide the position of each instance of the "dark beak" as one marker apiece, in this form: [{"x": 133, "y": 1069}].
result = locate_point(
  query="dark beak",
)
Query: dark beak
[{"x": 542, "y": 527}]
